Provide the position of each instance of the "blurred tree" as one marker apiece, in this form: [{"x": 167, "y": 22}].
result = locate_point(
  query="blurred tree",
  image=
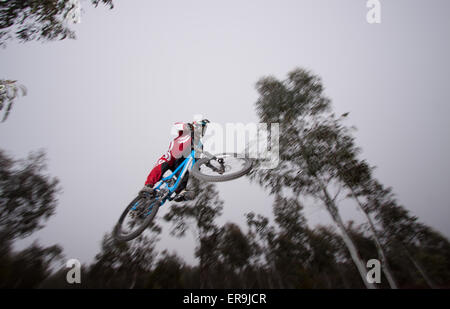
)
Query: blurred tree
[
  {"x": 235, "y": 251},
  {"x": 434, "y": 254},
  {"x": 27, "y": 195},
  {"x": 329, "y": 259},
  {"x": 261, "y": 236},
  {"x": 28, "y": 268},
  {"x": 46, "y": 20},
  {"x": 123, "y": 264},
  {"x": 290, "y": 246},
  {"x": 28, "y": 20},
  {"x": 300, "y": 107},
  {"x": 27, "y": 200},
  {"x": 9, "y": 91},
  {"x": 167, "y": 273},
  {"x": 411, "y": 239},
  {"x": 199, "y": 215},
  {"x": 354, "y": 174}
]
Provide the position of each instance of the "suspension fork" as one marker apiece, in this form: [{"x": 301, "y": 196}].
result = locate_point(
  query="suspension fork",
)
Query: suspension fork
[{"x": 220, "y": 170}]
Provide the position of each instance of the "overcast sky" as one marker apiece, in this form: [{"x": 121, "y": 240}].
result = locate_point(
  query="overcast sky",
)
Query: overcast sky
[{"x": 102, "y": 106}]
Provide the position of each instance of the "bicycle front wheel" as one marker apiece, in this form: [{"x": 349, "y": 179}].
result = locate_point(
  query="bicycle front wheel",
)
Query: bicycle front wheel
[
  {"x": 136, "y": 218},
  {"x": 224, "y": 167}
]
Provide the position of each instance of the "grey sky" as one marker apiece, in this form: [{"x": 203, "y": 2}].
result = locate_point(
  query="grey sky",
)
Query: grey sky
[{"x": 102, "y": 105}]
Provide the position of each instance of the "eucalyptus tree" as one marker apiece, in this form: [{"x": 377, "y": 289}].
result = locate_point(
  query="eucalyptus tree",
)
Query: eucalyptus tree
[
  {"x": 35, "y": 20},
  {"x": 9, "y": 91},
  {"x": 28, "y": 195},
  {"x": 300, "y": 107},
  {"x": 393, "y": 225},
  {"x": 27, "y": 20},
  {"x": 168, "y": 273},
  {"x": 291, "y": 248},
  {"x": 199, "y": 216},
  {"x": 406, "y": 235},
  {"x": 283, "y": 249},
  {"x": 235, "y": 251},
  {"x": 124, "y": 264},
  {"x": 329, "y": 259},
  {"x": 29, "y": 267},
  {"x": 355, "y": 176},
  {"x": 261, "y": 236}
]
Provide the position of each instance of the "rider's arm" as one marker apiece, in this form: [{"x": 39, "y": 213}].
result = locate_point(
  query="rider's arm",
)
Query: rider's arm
[{"x": 199, "y": 150}]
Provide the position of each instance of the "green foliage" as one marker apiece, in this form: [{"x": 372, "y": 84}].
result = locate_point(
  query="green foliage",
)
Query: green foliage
[
  {"x": 167, "y": 273},
  {"x": 318, "y": 154},
  {"x": 199, "y": 215},
  {"x": 28, "y": 268},
  {"x": 45, "y": 20},
  {"x": 234, "y": 247},
  {"x": 28, "y": 20},
  {"x": 122, "y": 264},
  {"x": 9, "y": 91},
  {"x": 28, "y": 197}
]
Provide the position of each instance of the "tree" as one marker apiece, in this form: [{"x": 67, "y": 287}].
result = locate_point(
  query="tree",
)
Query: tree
[
  {"x": 290, "y": 246},
  {"x": 45, "y": 20},
  {"x": 28, "y": 268},
  {"x": 235, "y": 252},
  {"x": 28, "y": 196},
  {"x": 355, "y": 175},
  {"x": 261, "y": 236},
  {"x": 300, "y": 107},
  {"x": 330, "y": 261},
  {"x": 409, "y": 238},
  {"x": 123, "y": 264},
  {"x": 199, "y": 216},
  {"x": 28, "y": 20},
  {"x": 9, "y": 91},
  {"x": 167, "y": 273}
]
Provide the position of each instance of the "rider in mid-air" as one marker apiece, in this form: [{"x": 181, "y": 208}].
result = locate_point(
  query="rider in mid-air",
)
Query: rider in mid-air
[{"x": 179, "y": 149}]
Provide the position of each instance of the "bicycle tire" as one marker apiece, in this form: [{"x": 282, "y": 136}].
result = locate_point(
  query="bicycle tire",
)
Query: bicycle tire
[
  {"x": 220, "y": 178},
  {"x": 146, "y": 222}
]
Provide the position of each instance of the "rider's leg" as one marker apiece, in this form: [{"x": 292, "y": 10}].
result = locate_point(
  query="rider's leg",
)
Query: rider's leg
[
  {"x": 156, "y": 173},
  {"x": 183, "y": 182},
  {"x": 182, "y": 193}
]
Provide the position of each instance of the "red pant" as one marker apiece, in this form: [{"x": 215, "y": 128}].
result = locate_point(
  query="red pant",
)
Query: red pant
[{"x": 161, "y": 167}]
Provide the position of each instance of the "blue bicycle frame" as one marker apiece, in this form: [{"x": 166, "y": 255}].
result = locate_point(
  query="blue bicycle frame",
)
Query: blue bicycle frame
[
  {"x": 187, "y": 163},
  {"x": 182, "y": 168}
]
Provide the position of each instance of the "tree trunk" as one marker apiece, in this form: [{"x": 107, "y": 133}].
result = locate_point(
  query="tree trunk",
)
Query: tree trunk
[
  {"x": 332, "y": 209},
  {"x": 202, "y": 270},
  {"x": 419, "y": 268},
  {"x": 385, "y": 265}
]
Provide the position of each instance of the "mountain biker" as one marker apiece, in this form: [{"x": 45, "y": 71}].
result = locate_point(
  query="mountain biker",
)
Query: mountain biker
[{"x": 179, "y": 148}]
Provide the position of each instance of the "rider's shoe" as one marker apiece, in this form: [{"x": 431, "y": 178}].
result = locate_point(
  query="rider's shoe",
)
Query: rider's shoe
[
  {"x": 184, "y": 196},
  {"x": 147, "y": 190}
]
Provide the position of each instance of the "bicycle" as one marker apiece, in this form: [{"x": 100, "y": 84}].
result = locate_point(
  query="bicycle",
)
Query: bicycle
[{"x": 211, "y": 168}]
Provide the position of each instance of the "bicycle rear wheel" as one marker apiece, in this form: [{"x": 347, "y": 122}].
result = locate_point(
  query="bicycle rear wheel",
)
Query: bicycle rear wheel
[
  {"x": 136, "y": 218},
  {"x": 224, "y": 167}
]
